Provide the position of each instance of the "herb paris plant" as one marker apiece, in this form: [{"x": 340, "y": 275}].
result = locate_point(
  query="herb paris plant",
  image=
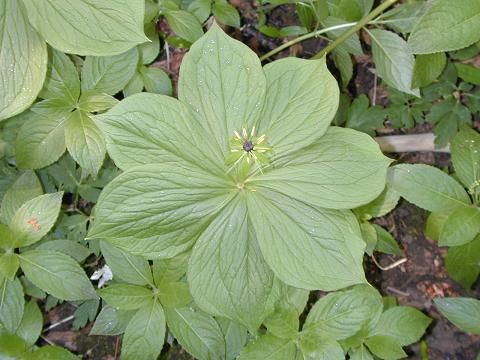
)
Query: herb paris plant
[{"x": 283, "y": 219}]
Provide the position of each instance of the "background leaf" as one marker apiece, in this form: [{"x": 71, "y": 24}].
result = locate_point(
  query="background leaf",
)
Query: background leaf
[{"x": 463, "y": 312}]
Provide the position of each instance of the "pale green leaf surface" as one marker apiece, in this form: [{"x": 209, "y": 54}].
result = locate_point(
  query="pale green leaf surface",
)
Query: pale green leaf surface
[
  {"x": 465, "y": 148},
  {"x": 41, "y": 139},
  {"x": 111, "y": 322},
  {"x": 385, "y": 347},
  {"x": 126, "y": 296},
  {"x": 428, "y": 68},
  {"x": 174, "y": 294},
  {"x": 62, "y": 78},
  {"x": 156, "y": 81},
  {"x": 25, "y": 188},
  {"x": 91, "y": 101},
  {"x": 85, "y": 27},
  {"x": 49, "y": 353},
  {"x": 269, "y": 347},
  {"x": 463, "y": 262},
  {"x": 222, "y": 81},
  {"x": 85, "y": 141},
  {"x": 428, "y": 187},
  {"x": 404, "y": 324},
  {"x": 360, "y": 353},
  {"x": 320, "y": 348},
  {"x": 23, "y": 60},
  {"x": 381, "y": 206},
  {"x": 31, "y": 325},
  {"x": 461, "y": 227},
  {"x": 7, "y": 237},
  {"x": 158, "y": 210},
  {"x": 342, "y": 314},
  {"x": 57, "y": 274},
  {"x": 197, "y": 332},
  {"x": 385, "y": 242},
  {"x": 352, "y": 44},
  {"x": 342, "y": 170},
  {"x": 68, "y": 247},
  {"x": 171, "y": 269},
  {"x": 144, "y": 335},
  {"x": 9, "y": 264},
  {"x": 393, "y": 60},
  {"x": 109, "y": 74},
  {"x": 225, "y": 13},
  {"x": 301, "y": 101},
  {"x": 283, "y": 322},
  {"x": 155, "y": 129},
  {"x": 447, "y": 25},
  {"x": 237, "y": 285},
  {"x": 235, "y": 336},
  {"x": 463, "y": 312},
  {"x": 11, "y": 304},
  {"x": 184, "y": 25},
  {"x": 125, "y": 266},
  {"x": 35, "y": 218},
  {"x": 327, "y": 252}
]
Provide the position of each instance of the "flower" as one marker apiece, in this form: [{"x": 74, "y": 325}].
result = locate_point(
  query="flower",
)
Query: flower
[{"x": 258, "y": 214}]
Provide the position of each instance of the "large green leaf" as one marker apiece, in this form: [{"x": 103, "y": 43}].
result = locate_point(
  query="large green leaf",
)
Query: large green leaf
[
  {"x": 466, "y": 156},
  {"x": 461, "y": 227},
  {"x": 393, "y": 60},
  {"x": 35, "y": 218},
  {"x": 428, "y": 68},
  {"x": 41, "y": 139},
  {"x": 11, "y": 304},
  {"x": 385, "y": 347},
  {"x": 25, "y": 188},
  {"x": 158, "y": 210},
  {"x": 428, "y": 187},
  {"x": 404, "y": 324},
  {"x": 85, "y": 27},
  {"x": 184, "y": 24},
  {"x": 85, "y": 141},
  {"x": 127, "y": 267},
  {"x": 238, "y": 284},
  {"x": 301, "y": 101},
  {"x": 446, "y": 25},
  {"x": 269, "y": 347},
  {"x": 111, "y": 322},
  {"x": 463, "y": 312},
  {"x": 342, "y": 170},
  {"x": 57, "y": 274},
  {"x": 155, "y": 129},
  {"x": 144, "y": 335},
  {"x": 49, "y": 353},
  {"x": 23, "y": 60},
  {"x": 109, "y": 74},
  {"x": 341, "y": 314},
  {"x": 197, "y": 332},
  {"x": 222, "y": 81},
  {"x": 327, "y": 252},
  {"x": 463, "y": 262},
  {"x": 126, "y": 296},
  {"x": 31, "y": 325},
  {"x": 62, "y": 78}
]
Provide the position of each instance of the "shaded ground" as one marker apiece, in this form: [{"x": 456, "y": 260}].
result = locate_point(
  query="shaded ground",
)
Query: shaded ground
[{"x": 416, "y": 282}]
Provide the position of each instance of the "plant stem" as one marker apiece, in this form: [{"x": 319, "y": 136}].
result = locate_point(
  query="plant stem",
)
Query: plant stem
[{"x": 364, "y": 21}]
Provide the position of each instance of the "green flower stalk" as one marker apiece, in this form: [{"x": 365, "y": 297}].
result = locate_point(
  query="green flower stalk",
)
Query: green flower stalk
[{"x": 244, "y": 172}]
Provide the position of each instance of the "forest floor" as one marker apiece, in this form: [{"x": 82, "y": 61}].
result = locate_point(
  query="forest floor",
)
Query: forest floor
[{"x": 416, "y": 282}]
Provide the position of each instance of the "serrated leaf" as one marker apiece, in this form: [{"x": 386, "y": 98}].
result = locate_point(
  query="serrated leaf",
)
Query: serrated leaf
[
  {"x": 158, "y": 210},
  {"x": 144, "y": 335},
  {"x": 110, "y": 322},
  {"x": 41, "y": 139},
  {"x": 320, "y": 254},
  {"x": 428, "y": 68},
  {"x": 296, "y": 118},
  {"x": 463, "y": 262},
  {"x": 57, "y": 274},
  {"x": 238, "y": 284},
  {"x": 341, "y": 170},
  {"x": 404, "y": 324},
  {"x": 461, "y": 227},
  {"x": 154, "y": 140},
  {"x": 85, "y": 28},
  {"x": 393, "y": 60},
  {"x": 463, "y": 312},
  {"x": 109, "y": 74},
  {"x": 457, "y": 21},
  {"x": 184, "y": 25},
  {"x": 23, "y": 64},
  {"x": 11, "y": 304},
  {"x": 126, "y": 296},
  {"x": 31, "y": 325},
  {"x": 342, "y": 314},
  {"x": 218, "y": 105},
  {"x": 465, "y": 148},
  {"x": 127, "y": 267},
  {"x": 269, "y": 347},
  {"x": 25, "y": 188},
  {"x": 35, "y": 218},
  {"x": 197, "y": 332},
  {"x": 62, "y": 80},
  {"x": 385, "y": 347},
  {"x": 85, "y": 142},
  {"x": 428, "y": 187}
]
